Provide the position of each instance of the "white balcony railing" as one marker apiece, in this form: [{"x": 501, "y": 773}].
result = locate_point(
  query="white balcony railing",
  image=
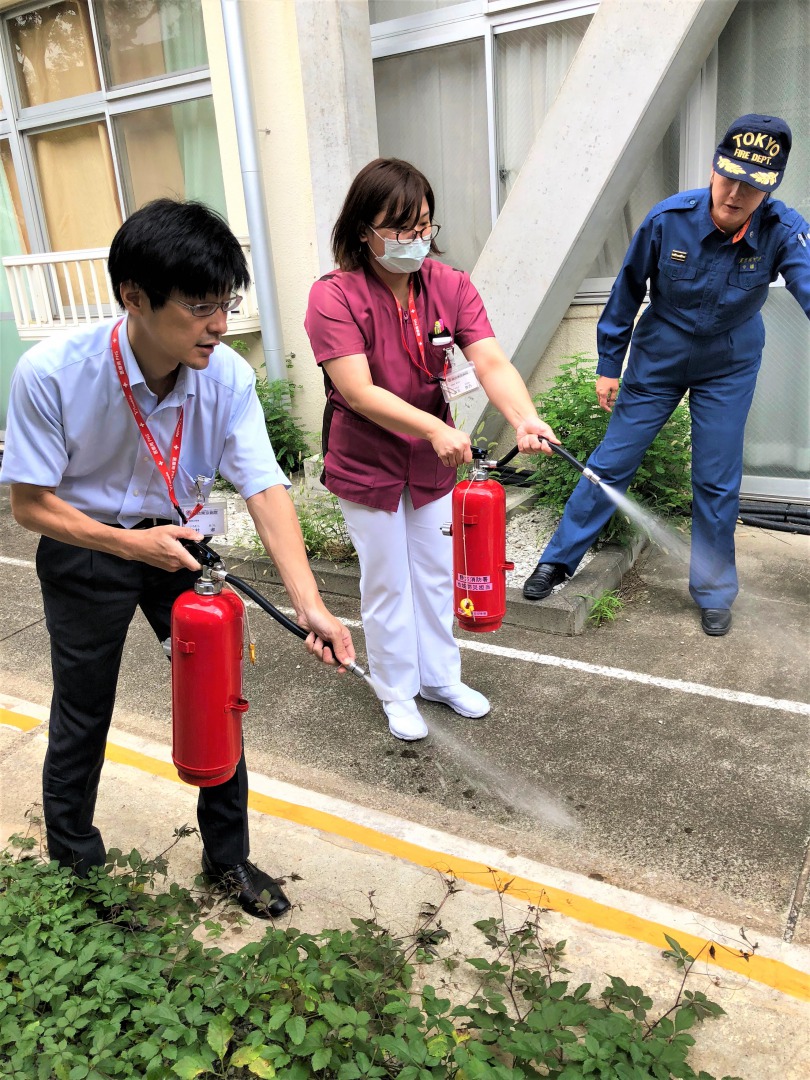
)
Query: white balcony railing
[{"x": 68, "y": 290}]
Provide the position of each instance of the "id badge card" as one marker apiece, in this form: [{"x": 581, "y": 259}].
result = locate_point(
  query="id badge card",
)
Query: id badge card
[
  {"x": 460, "y": 379},
  {"x": 212, "y": 520}
]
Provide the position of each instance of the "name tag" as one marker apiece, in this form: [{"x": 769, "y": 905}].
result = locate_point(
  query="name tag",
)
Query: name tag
[
  {"x": 211, "y": 520},
  {"x": 461, "y": 379}
]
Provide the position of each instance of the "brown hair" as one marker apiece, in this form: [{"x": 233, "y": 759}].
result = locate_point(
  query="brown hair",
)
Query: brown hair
[{"x": 388, "y": 185}]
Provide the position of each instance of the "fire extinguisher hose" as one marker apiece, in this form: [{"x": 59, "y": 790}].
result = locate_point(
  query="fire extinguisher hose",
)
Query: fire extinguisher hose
[
  {"x": 284, "y": 620},
  {"x": 265, "y": 605},
  {"x": 589, "y": 474},
  {"x": 210, "y": 561}
]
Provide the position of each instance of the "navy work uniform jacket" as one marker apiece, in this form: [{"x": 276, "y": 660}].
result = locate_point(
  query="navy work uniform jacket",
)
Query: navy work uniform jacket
[{"x": 701, "y": 282}]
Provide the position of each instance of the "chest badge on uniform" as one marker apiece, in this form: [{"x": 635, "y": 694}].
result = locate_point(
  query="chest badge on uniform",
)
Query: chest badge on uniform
[
  {"x": 678, "y": 256},
  {"x": 749, "y": 262}
]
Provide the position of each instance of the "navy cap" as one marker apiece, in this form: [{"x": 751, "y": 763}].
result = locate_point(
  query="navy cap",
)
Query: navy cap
[{"x": 755, "y": 150}]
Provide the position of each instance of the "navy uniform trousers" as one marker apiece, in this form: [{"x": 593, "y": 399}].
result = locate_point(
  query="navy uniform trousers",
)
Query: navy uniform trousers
[
  {"x": 90, "y": 599},
  {"x": 719, "y": 373}
]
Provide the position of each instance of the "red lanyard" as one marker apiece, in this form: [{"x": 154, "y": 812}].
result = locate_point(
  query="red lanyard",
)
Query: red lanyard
[
  {"x": 167, "y": 472},
  {"x": 417, "y": 329}
]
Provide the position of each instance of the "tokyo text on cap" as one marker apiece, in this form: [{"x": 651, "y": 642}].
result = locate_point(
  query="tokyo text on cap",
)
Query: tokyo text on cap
[{"x": 755, "y": 150}]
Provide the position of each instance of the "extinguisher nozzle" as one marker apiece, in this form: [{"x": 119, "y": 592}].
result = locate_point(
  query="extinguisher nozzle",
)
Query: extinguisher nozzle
[
  {"x": 589, "y": 474},
  {"x": 355, "y": 669}
]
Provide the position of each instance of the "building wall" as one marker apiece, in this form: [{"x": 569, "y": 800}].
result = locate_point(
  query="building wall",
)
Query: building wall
[{"x": 273, "y": 60}]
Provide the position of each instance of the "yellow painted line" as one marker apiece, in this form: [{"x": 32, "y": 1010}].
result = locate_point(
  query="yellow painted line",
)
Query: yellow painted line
[
  {"x": 761, "y": 969},
  {"x": 18, "y": 720}
]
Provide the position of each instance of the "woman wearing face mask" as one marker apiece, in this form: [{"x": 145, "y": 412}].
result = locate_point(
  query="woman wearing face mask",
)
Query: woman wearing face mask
[{"x": 383, "y": 326}]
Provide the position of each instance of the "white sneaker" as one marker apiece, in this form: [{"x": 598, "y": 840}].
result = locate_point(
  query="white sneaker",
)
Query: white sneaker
[
  {"x": 404, "y": 720},
  {"x": 461, "y": 698}
]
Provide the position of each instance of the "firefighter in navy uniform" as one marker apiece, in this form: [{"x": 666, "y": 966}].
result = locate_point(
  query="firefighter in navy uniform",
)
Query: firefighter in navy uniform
[{"x": 708, "y": 256}]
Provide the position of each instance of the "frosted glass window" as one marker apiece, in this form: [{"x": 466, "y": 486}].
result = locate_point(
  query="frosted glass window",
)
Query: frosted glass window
[
  {"x": 764, "y": 67},
  {"x": 530, "y": 67},
  {"x": 431, "y": 111}
]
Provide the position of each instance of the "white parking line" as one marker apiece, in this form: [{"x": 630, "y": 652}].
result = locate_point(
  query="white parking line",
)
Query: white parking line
[
  {"x": 18, "y": 562},
  {"x": 679, "y": 685},
  {"x": 782, "y": 704}
]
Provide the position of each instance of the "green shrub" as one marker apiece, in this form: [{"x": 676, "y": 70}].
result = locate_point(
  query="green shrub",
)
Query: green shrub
[
  {"x": 104, "y": 978},
  {"x": 277, "y": 398},
  {"x": 662, "y": 483},
  {"x": 324, "y": 529}
]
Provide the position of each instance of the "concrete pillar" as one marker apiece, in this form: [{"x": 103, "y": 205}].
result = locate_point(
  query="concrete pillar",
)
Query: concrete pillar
[
  {"x": 628, "y": 79},
  {"x": 334, "y": 44}
]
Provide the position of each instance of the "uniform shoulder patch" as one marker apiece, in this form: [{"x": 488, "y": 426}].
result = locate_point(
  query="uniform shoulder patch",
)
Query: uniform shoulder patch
[{"x": 682, "y": 201}]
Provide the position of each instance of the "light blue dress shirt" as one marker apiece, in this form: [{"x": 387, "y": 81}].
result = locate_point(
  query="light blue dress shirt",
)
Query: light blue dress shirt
[{"x": 70, "y": 428}]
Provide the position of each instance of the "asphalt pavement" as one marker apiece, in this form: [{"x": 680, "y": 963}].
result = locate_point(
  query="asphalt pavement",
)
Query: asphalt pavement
[{"x": 641, "y": 760}]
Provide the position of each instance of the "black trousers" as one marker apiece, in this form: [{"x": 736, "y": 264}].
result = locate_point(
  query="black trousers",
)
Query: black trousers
[{"x": 90, "y": 599}]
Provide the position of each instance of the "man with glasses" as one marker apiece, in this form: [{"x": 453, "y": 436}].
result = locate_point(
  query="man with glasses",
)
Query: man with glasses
[{"x": 90, "y": 419}]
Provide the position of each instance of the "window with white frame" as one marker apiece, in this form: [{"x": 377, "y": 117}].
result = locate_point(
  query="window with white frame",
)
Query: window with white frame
[
  {"x": 109, "y": 105},
  {"x": 104, "y": 105},
  {"x": 462, "y": 89},
  {"x": 763, "y": 65}
]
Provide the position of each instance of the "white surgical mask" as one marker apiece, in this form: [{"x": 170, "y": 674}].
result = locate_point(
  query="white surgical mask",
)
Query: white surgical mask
[{"x": 402, "y": 258}]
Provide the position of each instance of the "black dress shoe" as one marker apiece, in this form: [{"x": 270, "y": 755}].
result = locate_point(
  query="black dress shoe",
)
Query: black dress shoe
[
  {"x": 542, "y": 580},
  {"x": 256, "y": 892},
  {"x": 715, "y": 621}
]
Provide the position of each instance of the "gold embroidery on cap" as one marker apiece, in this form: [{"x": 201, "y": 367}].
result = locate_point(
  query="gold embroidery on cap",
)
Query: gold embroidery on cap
[
  {"x": 730, "y": 166},
  {"x": 764, "y": 177}
]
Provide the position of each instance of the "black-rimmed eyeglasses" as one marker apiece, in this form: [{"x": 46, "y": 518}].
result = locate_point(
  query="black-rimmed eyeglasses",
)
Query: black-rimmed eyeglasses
[{"x": 407, "y": 236}]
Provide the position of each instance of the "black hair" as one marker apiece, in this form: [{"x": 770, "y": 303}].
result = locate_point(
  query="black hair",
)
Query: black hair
[
  {"x": 386, "y": 185},
  {"x": 168, "y": 244}
]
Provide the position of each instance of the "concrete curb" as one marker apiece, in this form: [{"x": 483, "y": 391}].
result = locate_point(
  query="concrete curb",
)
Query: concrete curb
[{"x": 564, "y": 612}]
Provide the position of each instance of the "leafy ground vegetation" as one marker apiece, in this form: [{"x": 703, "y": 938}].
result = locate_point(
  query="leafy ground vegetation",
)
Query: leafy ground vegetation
[
  {"x": 113, "y": 976},
  {"x": 663, "y": 481}
]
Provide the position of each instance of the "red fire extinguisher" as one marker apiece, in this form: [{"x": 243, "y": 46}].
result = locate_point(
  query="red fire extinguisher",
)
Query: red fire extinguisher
[
  {"x": 206, "y": 650},
  {"x": 207, "y": 703},
  {"x": 478, "y": 529}
]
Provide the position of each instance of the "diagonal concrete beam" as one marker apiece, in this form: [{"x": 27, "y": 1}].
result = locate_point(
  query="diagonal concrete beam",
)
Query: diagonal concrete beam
[{"x": 628, "y": 79}]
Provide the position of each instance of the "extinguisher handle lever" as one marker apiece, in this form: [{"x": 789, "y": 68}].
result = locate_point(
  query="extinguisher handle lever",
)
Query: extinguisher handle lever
[{"x": 204, "y": 555}]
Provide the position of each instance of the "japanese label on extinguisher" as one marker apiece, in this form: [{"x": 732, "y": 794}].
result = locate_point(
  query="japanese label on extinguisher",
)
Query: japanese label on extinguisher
[{"x": 474, "y": 582}]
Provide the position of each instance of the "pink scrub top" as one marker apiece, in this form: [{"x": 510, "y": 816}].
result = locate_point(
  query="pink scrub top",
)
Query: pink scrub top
[{"x": 353, "y": 312}]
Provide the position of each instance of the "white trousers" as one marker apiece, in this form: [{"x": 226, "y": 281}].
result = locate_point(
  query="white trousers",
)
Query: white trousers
[{"x": 406, "y": 595}]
